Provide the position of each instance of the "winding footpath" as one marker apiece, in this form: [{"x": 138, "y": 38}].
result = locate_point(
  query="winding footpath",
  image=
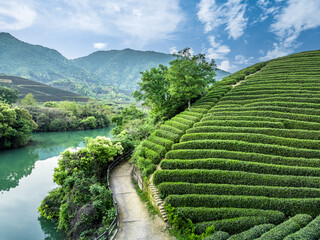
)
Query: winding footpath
[{"x": 135, "y": 221}]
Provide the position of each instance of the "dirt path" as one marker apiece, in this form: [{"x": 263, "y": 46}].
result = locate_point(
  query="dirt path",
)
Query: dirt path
[{"x": 135, "y": 222}]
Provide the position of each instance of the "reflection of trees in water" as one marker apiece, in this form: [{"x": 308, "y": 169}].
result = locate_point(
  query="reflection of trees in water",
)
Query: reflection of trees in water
[
  {"x": 50, "y": 229},
  {"x": 18, "y": 163},
  {"x": 14, "y": 166}
]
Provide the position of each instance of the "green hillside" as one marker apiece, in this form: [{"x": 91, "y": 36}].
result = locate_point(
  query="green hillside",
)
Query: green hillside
[
  {"x": 104, "y": 74},
  {"x": 41, "y": 92},
  {"x": 248, "y": 153}
]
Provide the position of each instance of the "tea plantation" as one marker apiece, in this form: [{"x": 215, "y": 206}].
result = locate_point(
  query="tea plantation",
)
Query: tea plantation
[
  {"x": 41, "y": 92},
  {"x": 246, "y": 158}
]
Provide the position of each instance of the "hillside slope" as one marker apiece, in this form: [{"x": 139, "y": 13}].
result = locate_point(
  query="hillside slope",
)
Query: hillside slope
[
  {"x": 41, "y": 92},
  {"x": 113, "y": 74},
  {"x": 252, "y": 158}
]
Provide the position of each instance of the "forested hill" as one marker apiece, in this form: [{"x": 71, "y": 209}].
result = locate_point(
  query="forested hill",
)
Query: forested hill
[
  {"x": 104, "y": 73},
  {"x": 245, "y": 159}
]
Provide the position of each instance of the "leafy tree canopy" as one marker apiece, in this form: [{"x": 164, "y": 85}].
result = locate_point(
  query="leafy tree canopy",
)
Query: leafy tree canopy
[
  {"x": 16, "y": 126},
  {"x": 169, "y": 90},
  {"x": 8, "y": 95},
  {"x": 29, "y": 100}
]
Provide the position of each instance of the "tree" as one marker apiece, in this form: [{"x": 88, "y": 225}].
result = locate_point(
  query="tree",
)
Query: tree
[
  {"x": 29, "y": 100},
  {"x": 8, "y": 95},
  {"x": 168, "y": 90},
  {"x": 154, "y": 89},
  {"x": 189, "y": 76},
  {"x": 16, "y": 126}
]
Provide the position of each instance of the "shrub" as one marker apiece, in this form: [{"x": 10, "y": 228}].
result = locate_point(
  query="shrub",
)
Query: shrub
[
  {"x": 235, "y": 165},
  {"x": 252, "y": 157},
  {"x": 309, "y": 232},
  {"x": 252, "y": 233},
  {"x": 248, "y": 147},
  {"x": 161, "y": 141},
  {"x": 202, "y": 214},
  {"x": 180, "y": 188},
  {"x": 289, "y": 206},
  {"x": 153, "y": 156},
  {"x": 286, "y": 133},
  {"x": 231, "y": 177},
  {"x": 218, "y": 235},
  {"x": 171, "y": 129},
  {"x": 255, "y": 138},
  {"x": 240, "y": 123},
  {"x": 177, "y": 125},
  {"x": 290, "y": 226},
  {"x": 232, "y": 226},
  {"x": 167, "y": 135},
  {"x": 155, "y": 147}
]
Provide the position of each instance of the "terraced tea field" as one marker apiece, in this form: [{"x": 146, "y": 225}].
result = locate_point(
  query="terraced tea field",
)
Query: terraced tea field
[
  {"x": 41, "y": 92},
  {"x": 246, "y": 159}
]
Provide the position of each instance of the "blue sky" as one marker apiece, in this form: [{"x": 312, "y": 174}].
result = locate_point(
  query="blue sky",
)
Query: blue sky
[{"x": 236, "y": 33}]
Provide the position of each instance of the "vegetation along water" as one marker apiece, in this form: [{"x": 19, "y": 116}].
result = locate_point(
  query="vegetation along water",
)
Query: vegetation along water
[{"x": 25, "y": 179}]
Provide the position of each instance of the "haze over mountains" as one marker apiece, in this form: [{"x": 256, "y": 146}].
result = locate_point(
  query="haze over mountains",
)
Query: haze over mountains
[{"x": 111, "y": 74}]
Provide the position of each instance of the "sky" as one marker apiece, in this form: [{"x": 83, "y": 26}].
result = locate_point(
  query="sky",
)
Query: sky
[{"x": 236, "y": 33}]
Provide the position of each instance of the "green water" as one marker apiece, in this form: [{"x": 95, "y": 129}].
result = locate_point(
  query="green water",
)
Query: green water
[{"x": 26, "y": 177}]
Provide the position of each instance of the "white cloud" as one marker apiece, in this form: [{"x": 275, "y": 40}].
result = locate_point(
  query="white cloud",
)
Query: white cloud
[
  {"x": 100, "y": 45},
  {"x": 229, "y": 14},
  {"x": 16, "y": 15},
  {"x": 278, "y": 51},
  {"x": 143, "y": 20},
  {"x": 298, "y": 16},
  {"x": 240, "y": 59},
  {"x": 217, "y": 50},
  {"x": 225, "y": 65}
]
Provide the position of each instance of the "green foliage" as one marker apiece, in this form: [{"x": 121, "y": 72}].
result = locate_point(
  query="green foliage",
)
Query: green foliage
[
  {"x": 309, "y": 232},
  {"x": 67, "y": 115},
  {"x": 218, "y": 235},
  {"x": 82, "y": 203},
  {"x": 290, "y": 226},
  {"x": 8, "y": 95},
  {"x": 289, "y": 206},
  {"x": 235, "y": 165},
  {"x": 253, "y": 232},
  {"x": 180, "y": 188},
  {"x": 168, "y": 90},
  {"x": 202, "y": 214},
  {"x": 16, "y": 126},
  {"x": 29, "y": 100},
  {"x": 229, "y": 177}
]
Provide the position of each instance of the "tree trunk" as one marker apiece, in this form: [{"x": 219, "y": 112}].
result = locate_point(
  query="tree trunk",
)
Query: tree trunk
[{"x": 189, "y": 105}]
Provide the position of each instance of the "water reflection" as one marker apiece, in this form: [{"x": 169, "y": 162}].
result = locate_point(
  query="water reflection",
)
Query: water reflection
[{"x": 18, "y": 163}]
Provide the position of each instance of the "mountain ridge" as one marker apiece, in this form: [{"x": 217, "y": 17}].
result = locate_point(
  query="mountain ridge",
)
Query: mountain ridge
[{"x": 100, "y": 74}]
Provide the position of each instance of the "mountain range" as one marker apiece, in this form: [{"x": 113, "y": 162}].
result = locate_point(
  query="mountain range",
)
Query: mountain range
[{"x": 103, "y": 74}]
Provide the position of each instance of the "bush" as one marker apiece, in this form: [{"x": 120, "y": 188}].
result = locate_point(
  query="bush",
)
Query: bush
[
  {"x": 171, "y": 129},
  {"x": 255, "y": 138},
  {"x": 153, "y": 156},
  {"x": 177, "y": 125},
  {"x": 167, "y": 135},
  {"x": 289, "y": 206},
  {"x": 235, "y": 165},
  {"x": 154, "y": 147},
  {"x": 240, "y": 123},
  {"x": 252, "y": 233},
  {"x": 202, "y": 214},
  {"x": 234, "y": 225},
  {"x": 231, "y": 145},
  {"x": 167, "y": 144},
  {"x": 286, "y": 133},
  {"x": 219, "y": 235},
  {"x": 282, "y": 230},
  {"x": 180, "y": 188},
  {"x": 309, "y": 232},
  {"x": 247, "y": 156}
]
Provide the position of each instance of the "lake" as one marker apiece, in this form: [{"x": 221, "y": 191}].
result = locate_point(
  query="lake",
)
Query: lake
[{"x": 26, "y": 176}]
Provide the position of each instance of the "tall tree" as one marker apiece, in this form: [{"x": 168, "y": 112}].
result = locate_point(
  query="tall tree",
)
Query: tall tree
[
  {"x": 189, "y": 75},
  {"x": 169, "y": 90}
]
